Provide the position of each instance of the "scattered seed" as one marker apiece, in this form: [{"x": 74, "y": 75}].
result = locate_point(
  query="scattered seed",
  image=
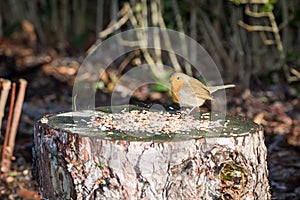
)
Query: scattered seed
[{"x": 155, "y": 122}]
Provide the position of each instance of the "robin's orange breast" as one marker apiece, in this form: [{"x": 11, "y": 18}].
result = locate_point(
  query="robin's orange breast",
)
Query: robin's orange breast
[{"x": 176, "y": 85}]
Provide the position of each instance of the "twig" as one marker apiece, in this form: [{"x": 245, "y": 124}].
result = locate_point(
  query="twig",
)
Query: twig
[
  {"x": 157, "y": 46},
  {"x": 295, "y": 72},
  {"x": 111, "y": 27},
  {"x": 118, "y": 24},
  {"x": 129, "y": 43},
  {"x": 100, "y": 16},
  {"x": 6, "y": 158},
  {"x": 125, "y": 62},
  {"x": 273, "y": 28},
  {"x": 210, "y": 45},
  {"x": 6, "y": 84},
  {"x": 216, "y": 41},
  {"x": 255, "y": 14},
  {"x": 166, "y": 37},
  {"x": 296, "y": 76},
  {"x": 114, "y": 10},
  {"x": 184, "y": 48},
  {"x": 265, "y": 39},
  {"x": 16, "y": 117},
  {"x": 251, "y": 28},
  {"x": 156, "y": 70},
  {"x": 193, "y": 33},
  {"x": 144, "y": 13}
]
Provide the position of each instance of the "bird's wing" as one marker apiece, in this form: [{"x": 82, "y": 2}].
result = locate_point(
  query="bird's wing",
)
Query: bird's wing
[
  {"x": 197, "y": 90},
  {"x": 203, "y": 94}
]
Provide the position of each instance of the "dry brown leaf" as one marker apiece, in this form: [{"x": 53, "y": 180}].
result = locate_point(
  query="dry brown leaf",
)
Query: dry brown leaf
[{"x": 28, "y": 194}]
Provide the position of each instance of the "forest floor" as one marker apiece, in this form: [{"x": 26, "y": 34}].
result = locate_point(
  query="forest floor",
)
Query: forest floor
[{"x": 50, "y": 77}]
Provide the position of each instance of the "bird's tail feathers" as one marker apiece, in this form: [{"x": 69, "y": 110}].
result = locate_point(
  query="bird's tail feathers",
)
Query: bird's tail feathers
[{"x": 215, "y": 88}]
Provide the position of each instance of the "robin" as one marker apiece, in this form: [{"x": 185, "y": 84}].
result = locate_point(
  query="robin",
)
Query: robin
[{"x": 188, "y": 91}]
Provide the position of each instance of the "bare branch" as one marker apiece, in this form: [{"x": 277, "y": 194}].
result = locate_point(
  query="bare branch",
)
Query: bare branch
[
  {"x": 17, "y": 115},
  {"x": 6, "y": 84},
  {"x": 118, "y": 24},
  {"x": 99, "y": 17},
  {"x": 178, "y": 19},
  {"x": 155, "y": 17},
  {"x": 7, "y": 151},
  {"x": 251, "y": 28}
]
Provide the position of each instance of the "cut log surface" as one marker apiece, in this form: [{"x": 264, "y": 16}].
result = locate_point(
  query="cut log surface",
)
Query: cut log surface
[{"x": 146, "y": 154}]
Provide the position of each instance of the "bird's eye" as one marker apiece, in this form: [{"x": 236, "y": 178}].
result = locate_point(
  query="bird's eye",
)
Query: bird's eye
[{"x": 178, "y": 77}]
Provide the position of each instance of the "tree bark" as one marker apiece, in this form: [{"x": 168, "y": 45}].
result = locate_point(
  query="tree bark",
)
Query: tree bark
[{"x": 77, "y": 162}]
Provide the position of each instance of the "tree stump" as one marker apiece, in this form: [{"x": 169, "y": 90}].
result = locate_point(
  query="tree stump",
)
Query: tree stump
[{"x": 139, "y": 154}]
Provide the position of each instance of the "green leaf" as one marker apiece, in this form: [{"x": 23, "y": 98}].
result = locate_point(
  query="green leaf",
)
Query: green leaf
[
  {"x": 100, "y": 85},
  {"x": 138, "y": 7},
  {"x": 268, "y": 7},
  {"x": 158, "y": 87},
  {"x": 236, "y": 2}
]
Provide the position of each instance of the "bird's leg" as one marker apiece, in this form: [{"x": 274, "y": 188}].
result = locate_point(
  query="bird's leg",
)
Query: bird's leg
[{"x": 192, "y": 110}]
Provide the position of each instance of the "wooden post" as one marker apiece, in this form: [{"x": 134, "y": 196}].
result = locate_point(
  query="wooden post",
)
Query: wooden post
[{"x": 88, "y": 156}]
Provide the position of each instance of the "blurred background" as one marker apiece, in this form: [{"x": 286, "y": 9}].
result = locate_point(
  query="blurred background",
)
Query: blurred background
[{"x": 254, "y": 43}]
